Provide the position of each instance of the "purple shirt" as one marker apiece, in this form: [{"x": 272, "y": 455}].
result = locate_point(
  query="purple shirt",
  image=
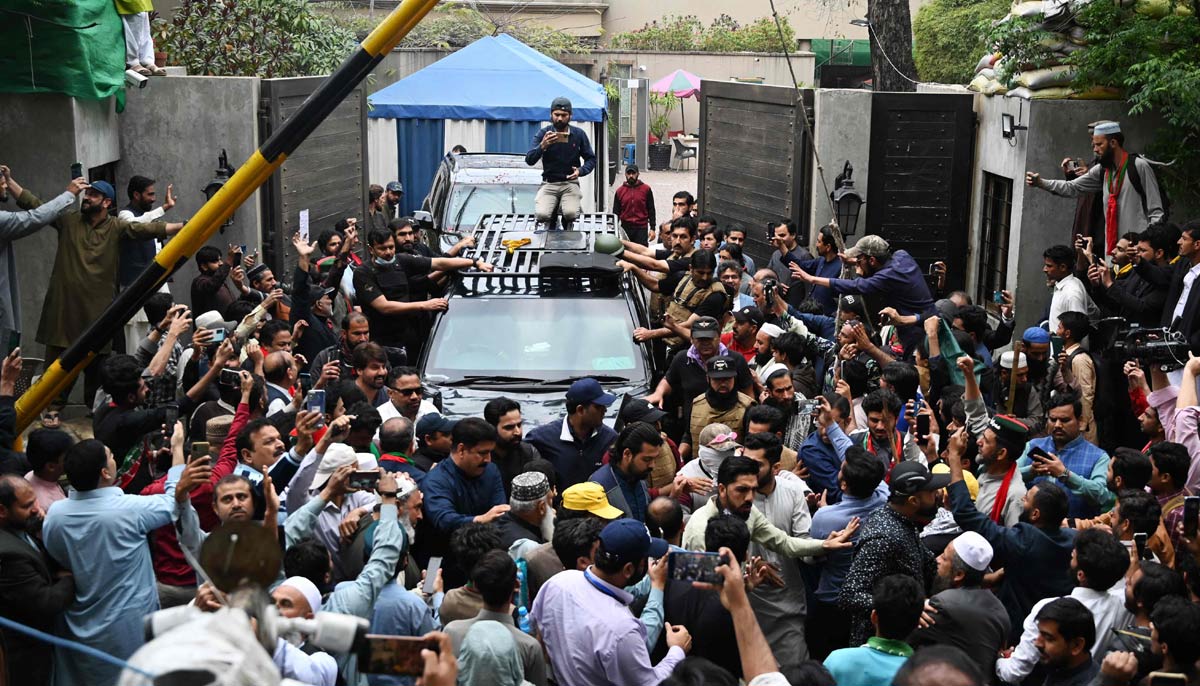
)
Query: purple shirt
[{"x": 591, "y": 636}]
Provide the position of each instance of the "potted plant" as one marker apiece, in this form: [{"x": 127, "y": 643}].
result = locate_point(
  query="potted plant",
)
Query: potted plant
[
  {"x": 661, "y": 106},
  {"x": 158, "y": 30}
]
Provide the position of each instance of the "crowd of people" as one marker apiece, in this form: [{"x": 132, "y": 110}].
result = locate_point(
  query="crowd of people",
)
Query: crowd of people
[{"x": 889, "y": 494}]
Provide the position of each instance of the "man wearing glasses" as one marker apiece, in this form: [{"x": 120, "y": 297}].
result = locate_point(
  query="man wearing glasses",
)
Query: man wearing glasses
[{"x": 406, "y": 396}]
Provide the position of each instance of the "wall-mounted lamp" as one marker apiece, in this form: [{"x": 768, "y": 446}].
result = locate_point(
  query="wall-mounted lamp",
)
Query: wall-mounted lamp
[{"x": 1009, "y": 126}]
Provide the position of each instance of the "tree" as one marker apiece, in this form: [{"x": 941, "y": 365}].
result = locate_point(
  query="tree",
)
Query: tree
[
  {"x": 947, "y": 43},
  {"x": 891, "y": 45}
]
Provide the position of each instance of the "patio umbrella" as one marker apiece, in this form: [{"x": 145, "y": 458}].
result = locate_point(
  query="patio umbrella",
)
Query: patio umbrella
[{"x": 681, "y": 84}]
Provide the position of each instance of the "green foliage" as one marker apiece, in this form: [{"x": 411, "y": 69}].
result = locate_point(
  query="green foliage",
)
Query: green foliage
[
  {"x": 614, "y": 108},
  {"x": 947, "y": 42},
  {"x": 458, "y": 27},
  {"x": 661, "y": 107},
  {"x": 267, "y": 38},
  {"x": 1023, "y": 43},
  {"x": 675, "y": 33}
]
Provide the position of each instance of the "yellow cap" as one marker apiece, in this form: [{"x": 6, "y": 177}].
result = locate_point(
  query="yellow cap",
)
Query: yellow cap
[
  {"x": 972, "y": 482},
  {"x": 589, "y": 496}
]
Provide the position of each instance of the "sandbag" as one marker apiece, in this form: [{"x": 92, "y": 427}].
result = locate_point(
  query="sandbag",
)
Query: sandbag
[
  {"x": 1046, "y": 78},
  {"x": 986, "y": 62},
  {"x": 1098, "y": 93},
  {"x": 1031, "y": 8},
  {"x": 988, "y": 73},
  {"x": 1077, "y": 35},
  {"x": 995, "y": 87},
  {"x": 978, "y": 83},
  {"x": 1157, "y": 9},
  {"x": 1021, "y": 92},
  {"x": 1054, "y": 42}
]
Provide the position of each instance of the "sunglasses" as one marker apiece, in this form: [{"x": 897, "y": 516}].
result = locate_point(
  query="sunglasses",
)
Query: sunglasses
[
  {"x": 406, "y": 391},
  {"x": 723, "y": 438}
]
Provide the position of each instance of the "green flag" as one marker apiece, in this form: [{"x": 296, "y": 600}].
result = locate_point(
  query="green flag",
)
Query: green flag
[{"x": 73, "y": 47}]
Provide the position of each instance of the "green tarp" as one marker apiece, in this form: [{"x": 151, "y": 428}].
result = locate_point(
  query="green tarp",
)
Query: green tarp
[{"x": 75, "y": 47}]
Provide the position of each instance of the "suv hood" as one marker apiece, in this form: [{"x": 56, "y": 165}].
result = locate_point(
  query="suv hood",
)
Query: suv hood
[{"x": 537, "y": 407}]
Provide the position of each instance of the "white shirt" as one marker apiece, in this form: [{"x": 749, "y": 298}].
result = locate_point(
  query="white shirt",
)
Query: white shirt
[
  {"x": 278, "y": 404},
  {"x": 1188, "y": 280},
  {"x": 1069, "y": 296},
  {"x": 388, "y": 411},
  {"x": 1107, "y": 608}
]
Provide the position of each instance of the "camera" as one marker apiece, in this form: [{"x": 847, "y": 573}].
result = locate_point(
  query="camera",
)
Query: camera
[
  {"x": 769, "y": 286},
  {"x": 135, "y": 80},
  {"x": 1127, "y": 341}
]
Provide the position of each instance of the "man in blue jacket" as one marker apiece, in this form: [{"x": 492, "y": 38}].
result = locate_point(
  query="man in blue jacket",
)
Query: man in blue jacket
[
  {"x": 467, "y": 487},
  {"x": 576, "y": 444},
  {"x": 566, "y": 155}
]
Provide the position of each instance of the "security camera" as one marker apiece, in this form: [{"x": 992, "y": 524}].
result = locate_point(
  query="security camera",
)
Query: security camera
[{"x": 135, "y": 80}]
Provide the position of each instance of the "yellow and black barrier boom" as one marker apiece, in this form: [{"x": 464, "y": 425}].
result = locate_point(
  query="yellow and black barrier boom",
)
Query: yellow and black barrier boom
[{"x": 252, "y": 174}]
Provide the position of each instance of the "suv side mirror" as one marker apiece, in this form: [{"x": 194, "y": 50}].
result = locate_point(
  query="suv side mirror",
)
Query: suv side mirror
[{"x": 424, "y": 218}]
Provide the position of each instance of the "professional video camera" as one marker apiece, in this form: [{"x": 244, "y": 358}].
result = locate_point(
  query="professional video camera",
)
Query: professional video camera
[{"x": 1126, "y": 341}]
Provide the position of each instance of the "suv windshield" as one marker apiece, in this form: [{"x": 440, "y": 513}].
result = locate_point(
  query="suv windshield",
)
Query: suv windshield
[
  {"x": 486, "y": 199},
  {"x": 546, "y": 338}
]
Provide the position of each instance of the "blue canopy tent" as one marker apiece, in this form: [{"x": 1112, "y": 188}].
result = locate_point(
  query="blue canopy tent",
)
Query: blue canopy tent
[{"x": 491, "y": 96}]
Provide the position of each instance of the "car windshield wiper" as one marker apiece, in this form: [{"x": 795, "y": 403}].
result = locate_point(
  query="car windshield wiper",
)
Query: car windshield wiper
[
  {"x": 463, "y": 208},
  {"x": 475, "y": 380},
  {"x": 602, "y": 378}
]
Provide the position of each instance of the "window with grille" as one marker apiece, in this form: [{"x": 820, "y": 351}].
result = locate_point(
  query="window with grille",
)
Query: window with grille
[{"x": 994, "y": 234}]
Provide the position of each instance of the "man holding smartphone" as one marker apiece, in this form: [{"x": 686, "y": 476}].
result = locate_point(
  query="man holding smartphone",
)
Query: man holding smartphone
[{"x": 566, "y": 155}]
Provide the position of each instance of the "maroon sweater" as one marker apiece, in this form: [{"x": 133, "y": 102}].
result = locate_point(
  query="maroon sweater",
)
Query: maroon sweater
[{"x": 634, "y": 205}]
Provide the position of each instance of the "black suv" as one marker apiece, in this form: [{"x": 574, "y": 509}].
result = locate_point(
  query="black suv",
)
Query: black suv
[
  {"x": 470, "y": 185},
  {"x": 553, "y": 311}
]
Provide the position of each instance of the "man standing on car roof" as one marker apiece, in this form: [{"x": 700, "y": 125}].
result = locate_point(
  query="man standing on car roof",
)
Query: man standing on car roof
[{"x": 566, "y": 155}]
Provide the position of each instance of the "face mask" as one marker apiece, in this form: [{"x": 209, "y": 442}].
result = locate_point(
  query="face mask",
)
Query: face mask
[{"x": 382, "y": 262}]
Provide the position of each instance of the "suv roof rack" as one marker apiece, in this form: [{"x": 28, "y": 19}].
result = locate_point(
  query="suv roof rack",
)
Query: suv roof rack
[{"x": 549, "y": 260}]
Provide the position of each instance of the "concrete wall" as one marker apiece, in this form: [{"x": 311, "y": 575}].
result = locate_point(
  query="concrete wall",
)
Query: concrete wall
[
  {"x": 173, "y": 132},
  {"x": 771, "y": 68},
  {"x": 842, "y": 116},
  {"x": 44, "y": 134}
]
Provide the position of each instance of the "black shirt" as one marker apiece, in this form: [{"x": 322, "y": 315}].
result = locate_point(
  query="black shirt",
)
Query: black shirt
[
  {"x": 394, "y": 282},
  {"x": 689, "y": 379},
  {"x": 513, "y": 529}
]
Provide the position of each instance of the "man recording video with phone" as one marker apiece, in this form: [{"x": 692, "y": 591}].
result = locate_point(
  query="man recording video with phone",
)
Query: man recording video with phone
[{"x": 566, "y": 155}]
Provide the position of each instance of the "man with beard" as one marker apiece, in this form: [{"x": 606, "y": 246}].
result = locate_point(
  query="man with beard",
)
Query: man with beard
[
  {"x": 961, "y": 612},
  {"x": 745, "y": 331},
  {"x": 827, "y": 264},
  {"x": 335, "y": 362},
  {"x": 465, "y": 488},
  {"x": 781, "y": 395},
  {"x": 1033, "y": 553},
  {"x": 737, "y": 485},
  {"x": 384, "y": 290},
  {"x": 138, "y": 253},
  {"x": 33, "y": 590},
  {"x": 788, "y": 251},
  {"x": 1127, "y": 293},
  {"x": 1067, "y": 456},
  {"x": 779, "y": 603},
  {"x": 890, "y": 543},
  {"x": 892, "y": 277},
  {"x": 821, "y": 454},
  {"x": 633, "y": 203},
  {"x": 529, "y": 521},
  {"x": 1025, "y": 403},
  {"x": 311, "y": 304},
  {"x": 697, "y": 295},
  {"x": 1063, "y": 642},
  {"x": 881, "y": 438},
  {"x": 266, "y": 291},
  {"x": 371, "y": 372},
  {"x": 583, "y": 617},
  {"x": 392, "y": 193},
  {"x": 294, "y": 656},
  {"x": 1127, "y": 182},
  {"x": 406, "y": 396},
  {"x": 721, "y": 403},
  {"x": 764, "y": 363},
  {"x": 1035, "y": 344},
  {"x": 209, "y": 289},
  {"x": 1147, "y": 584},
  {"x": 566, "y": 155},
  {"x": 377, "y": 214},
  {"x": 631, "y": 461},
  {"x": 83, "y": 280},
  {"x": 1001, "y": 441},
  {"x": 511, "y": 454}
]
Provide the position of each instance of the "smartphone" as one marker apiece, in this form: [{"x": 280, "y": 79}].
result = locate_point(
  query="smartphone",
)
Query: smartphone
[
  {"x": 1056, "y": 345},
  {"x": 1191, "y": 515},
  {"x": 564, "y": 136},
  {"x": 218, "y": 335},
  {"x": 431, "y": 572},
  {"x": 1139, "y": 539},
  {"x": 253, "y": 475},
  {"x": 998, "y": 297},
  {"x": 14, "y": 342},
  {"x": 315, "y": 402},
  {"x": 305, "y": 380},
  {"x": 170, "y": 416},
  {"x": 809, "y": 407},
  {"x": 923, "y": 425},
  {"x": 364, "y": 481},
  {"x": 199, "y": 450},
  {"x": 1167, "y": 679},
  {"x": 1038, "y": 453},
  {"x": 76, "y": 171},
  {"x": 230, "y": 377},
  {"x": 394, "y": 654},
  {"x": 692, "y": 566}
]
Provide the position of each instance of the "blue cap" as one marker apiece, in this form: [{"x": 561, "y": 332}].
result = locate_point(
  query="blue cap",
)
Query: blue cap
[
  {"x": 434, "y": 422},
  {"x": 589, "y": 390},
  {"x": 630, "y": 541},
  {"x": 105, "y": 188},
  {"x": 1036, "y": 334}
]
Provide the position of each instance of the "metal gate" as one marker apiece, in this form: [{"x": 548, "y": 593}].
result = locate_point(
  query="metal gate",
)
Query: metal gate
[
  {"x": 754, "y": 158},
  {"x": 919, "y": 191},
  {"x": 327, "y": 175}
]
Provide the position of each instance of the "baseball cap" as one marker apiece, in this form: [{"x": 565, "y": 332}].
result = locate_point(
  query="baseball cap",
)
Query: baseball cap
[
  {"x": 911, "y": 477},
  {"x": 710, "y": 434},
  {"x": 629, "y": 541},
  {"x": 395, "y": 187},
  {"x": 589, "y": 496},
  {"x": 871, "y": 246},
  {"x": 639, "y": 410},
  {"x": 705, "y": 327},
  {"x": 631, "y": 168},
  {"x": 589, "y": 390},
  {"x": 337, "y": 455},
  {"x": 434, "y": 422},
  {"x": 749, "y": 313},
  {"x": 104, "y": 188},
  {"x": 974, "y": 550},
  {"x": 721, "y": 367},
  {"x": 213, "y": 320},
  {"x": 560, "y": 103}
]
